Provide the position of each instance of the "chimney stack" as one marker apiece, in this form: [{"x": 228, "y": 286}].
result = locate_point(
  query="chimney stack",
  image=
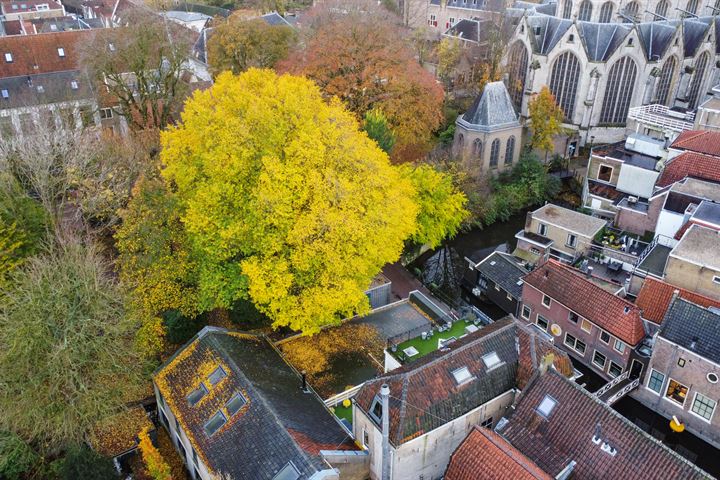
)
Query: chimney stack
[
  {"x": 304, "y": 381},
  {"x": 385, "y": 397}
]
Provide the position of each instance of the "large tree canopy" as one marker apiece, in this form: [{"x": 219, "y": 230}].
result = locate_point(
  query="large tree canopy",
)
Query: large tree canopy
[
  {"x": 65, "y": 352},
  {"x": 284, "y": 199},
  {"x": 363, "y": 57}
]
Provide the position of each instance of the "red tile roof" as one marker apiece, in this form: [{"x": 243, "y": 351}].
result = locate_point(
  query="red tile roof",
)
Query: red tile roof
[
  {"x": 36, "y": 54},
  {"x": 566, "y": 435},
  {"x": 12, "y": 27},
  {"x": 29, "y": 6},
  {"x": 485, "y": 455},
  {"x": 700, "y": 141},
  {"x": 655, "y": 296},
  {"x": 690, "y": 164},
  {"x": 569, "y": 287}
]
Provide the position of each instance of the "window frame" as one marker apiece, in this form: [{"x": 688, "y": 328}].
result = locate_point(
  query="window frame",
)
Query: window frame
[
  {"x": 605, "y": 362},
  {"x": 465, "y": 379},
  {"x": 651, "y": 378},
  {"x": 582, "y": 325},
  {"x": 549, "y": 301},
  {"x": 600, "y": 337},
  {"x": 610, "y": 368},
  {"x": 600, "y": 167},
  {"x": 522, "y": 312},
  {"x": 545, "y": 320},
  {"x": 9, "y": 57},
  {"x": 542, "y": 229},
  {"x": 570, "y": 317},
  {"x": 571, "y": 243},
  {"x": 619, "y": 350},
  {"x": 712, "y": 412},
  {"x": 671, "y": 399}
]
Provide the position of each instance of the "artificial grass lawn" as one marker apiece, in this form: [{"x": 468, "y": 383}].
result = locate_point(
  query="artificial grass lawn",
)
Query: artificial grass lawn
[
  {"x": 343, "y": 412},
  {"x": 431, "y": 344}
]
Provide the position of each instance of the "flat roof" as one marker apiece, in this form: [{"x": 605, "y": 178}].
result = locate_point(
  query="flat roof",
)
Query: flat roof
[
  {"x": 707, "y": 212},
  {"x": 699, "y": 245},
  {"x": 698, "y": 188},
  {"x": 569, "y": 219},
  {"x": 618, "y": 151},
  {"x": 396, "y": 319}
]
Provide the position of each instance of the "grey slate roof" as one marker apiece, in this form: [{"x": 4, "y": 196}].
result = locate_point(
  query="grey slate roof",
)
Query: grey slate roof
[
  {"x": 275, "y": 19},
  {"x": 493, "y": 108},
  {"x": 707, "y": 212},
  {"x": 505, "y": 270},
  {"x": 602, "y": 39},
  {"x": 465, "y": 30},
  {"x": 694, "y": 32},
  {"x": 656, "y": 37},
  {"x": 44, "y": 89},
  {"x": 278, "y": 424},
  {"x": 693, "y": 327},
  {"x": 551, "y": 30}
]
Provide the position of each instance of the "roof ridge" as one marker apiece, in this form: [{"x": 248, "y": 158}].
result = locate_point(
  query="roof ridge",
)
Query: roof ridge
[
  {"x": 403, "y": 410},
  {"x": 574, "y": 272},
  {"x": 512, "y": 451}
]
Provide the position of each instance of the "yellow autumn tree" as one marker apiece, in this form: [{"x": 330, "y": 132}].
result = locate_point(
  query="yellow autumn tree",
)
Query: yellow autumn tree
[
  {"x": 155, "y": 464},
  {"x": 545, "y": 120},
  {"x": 284, "y": 199}
]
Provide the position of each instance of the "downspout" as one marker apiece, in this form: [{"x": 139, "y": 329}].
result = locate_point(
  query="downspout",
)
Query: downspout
[{"x": 385, "y": 397}]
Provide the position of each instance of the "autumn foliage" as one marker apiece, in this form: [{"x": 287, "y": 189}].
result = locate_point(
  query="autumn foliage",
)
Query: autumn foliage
[
  {"x": 156, "y": 465},
  {"x": 370, "y": 65},
  {"x": 545, "y": 120}
]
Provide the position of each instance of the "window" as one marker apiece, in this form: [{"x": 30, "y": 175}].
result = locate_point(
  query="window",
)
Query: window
[
  {"x": 534, "y": 251},
  {"x": 5, "y": 94},
  {"x": 215, "y": 423},
  {"x": 235, "y": 404},
  {"x": 477, "y": 148},
  {"x": 509, "y": 297},
  {"x": 365, "y": 439},
  {"x": 573, "y": 317},
  {"x": 546, "y": 300},
  {"x": 288, "y": 472},
  {"x": 606, "y": 12},
  {"x": 580, "y": 347},
  {"x": 217, "y": 375},
  {"x": 656, "y": 380},
  {"x": 681, "y": 362},
  {"x": 661, "y": 9},
  {"x": 542, "y": 229},
  {"x": 605, "y": 173},
  {"x": 111, "y": 46},
  {"x": 586, "y": 326},
  {"x": 526, "y": 311},
  {"x": 564, "y": 82},
  {"x": 8, "y": 57},
  {"x": 196, "y": 395},
  {"x": 74, "y": 85},
  {"x": 703, "y": 406},
  {"x": 667, "y": 75},
  {"x": 577, "y": 345},
  {"x": 618, "y": 91},
  {"x": 567, "y": 9},
  {"x": 619, "y": 346},
  {"x": 491, "y": 360},
  {"x": 462, "y": 375},
  {"x": 571, "y": 240},
  {"x": 571, "y": 38},
  {"x": 585, "y": 11},
  {"x": 546, "y": 406},
  {"x": 509, "y": 150},
  {"x": 487, "y": 423},
  {"x": 604, "y": 337},
  {"x": 61, "y": 52},
  {"x": 599, "y": 360},
  {"x": 692, "y": 6},
  {"x": 630, "y": 11},
  {"x": 542, "y": 323},
  {"x": 106, "y": 113},
  {"x": 697, "y": 81},
  {"x": 615, "y": 369},
  {"x": 677, "y": 392},
  {"x": 517, "y": 72},
  {"x": 40, "y": 89},
  {"x": 376, "y": 410},
  {"x": 494, "y": 153},
  {"x": 716, "y": 280}
]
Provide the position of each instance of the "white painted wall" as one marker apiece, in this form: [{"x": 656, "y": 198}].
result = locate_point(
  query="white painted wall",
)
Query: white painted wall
[{"x": 668, "y": 223}]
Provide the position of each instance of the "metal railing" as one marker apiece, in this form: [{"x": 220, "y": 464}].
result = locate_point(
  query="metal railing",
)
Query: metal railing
[
  {"x": 604, "y": 389},
  {"x": 660, "y": 116},
  {"x": 623, "y": 391},
  {"x": 342, "y": 396}
]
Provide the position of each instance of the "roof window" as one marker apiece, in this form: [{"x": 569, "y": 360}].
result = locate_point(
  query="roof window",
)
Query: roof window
[
  {"x": 491, "y": 360},
  {"x": 5, "y": 94},
  {"x": 8, "y": 57},
  {"x": 196, "y": 395},
  {"x": 217, "y": 375},
  {"x": 235, "y": 404},
  {"x": 288, "y": 472},
  {"x": 111, "y": 46},
  {"x": 74, "y": 85},
  {"x": 215, "y": 423},
  {"x": 462, "y": 375},
  {"x": 61, "y": 52},
  {"x": 627, "y": 309},
  {"x": 40, "y": 89},
  {"x": 376, "y": 410},
  {"x": 546, "y": 406}
]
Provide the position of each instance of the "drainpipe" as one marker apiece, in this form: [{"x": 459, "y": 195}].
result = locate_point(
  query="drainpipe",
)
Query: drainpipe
[{"x": 385, "y": 397}]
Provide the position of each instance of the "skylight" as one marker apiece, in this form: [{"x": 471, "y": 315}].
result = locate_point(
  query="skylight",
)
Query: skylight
[
  {"x": 546, "y": 406},
  {"x": 5, "y": 94},
  {"x": 74, "y": 85},
  {"x": 217, "y": 375},
  {"x": 491, "y": 360},
  {"x": 288, "y": 472},
  {"x": 462, "y": 375},
  {"x": 215, "y": 423},
  {"x": 196, "y": 395},
  {"x": 235, "y": 404}
]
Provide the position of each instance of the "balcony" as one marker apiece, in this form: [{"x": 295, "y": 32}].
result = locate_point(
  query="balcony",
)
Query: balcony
[{"x": 659, "y": 116}]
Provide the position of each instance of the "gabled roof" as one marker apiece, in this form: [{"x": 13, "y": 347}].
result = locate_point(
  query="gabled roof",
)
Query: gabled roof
[
  {"x": 505, "y": 270},
  {"x": 278, "y": 422},
  {"x": 694, "y": 31},
  {"x": 656, "y": 38},
  {"x": 465, "y": 29},
  {"x": 655, "y": 297},
  {"x": 550, "y": 31},
  {"x": 569, "y": 287},
  {"x": 275, "y": 19},
  {"x": 569, "y": 220},
  {"x": 700, "y": 141},
  {"x": 690, "y": 164},
  {"x": 694, "y": 328},
  {"x": 425, "y": 395},
  {"x": 602, "y": 39},
  {"x": 485, "y": 455},
  {"x": 566, "y": 435},
  {"x": 45, "y": 89},
  {"x": 493, "y": 108},
  {"x": 36, "y": 54},
  {"x": 699, "y": 245}
]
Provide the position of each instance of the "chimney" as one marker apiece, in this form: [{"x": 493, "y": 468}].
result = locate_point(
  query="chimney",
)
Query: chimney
[
  {"x": 589, "y": 272},
  {"x": 546, "y": 362},
  {"x": 385, "y": 397},
  {"x": 597, "y": 438},
  {"x": 304, "y": 382}
]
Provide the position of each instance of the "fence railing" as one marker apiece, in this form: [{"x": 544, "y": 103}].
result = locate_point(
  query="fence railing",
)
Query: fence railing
[
  {"x": 660, "y": 116},
  {"x": 623, "y": 391},
  {"x": 605, "y": 388},
  {"x": 342, "y": 396}
]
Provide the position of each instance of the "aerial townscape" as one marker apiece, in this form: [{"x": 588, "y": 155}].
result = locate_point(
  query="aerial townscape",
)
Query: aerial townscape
[{"x": 359, "y": 239}]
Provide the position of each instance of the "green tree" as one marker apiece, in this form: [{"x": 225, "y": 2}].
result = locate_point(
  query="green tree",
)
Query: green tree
[
  {"x": 284, "y": 199},
  {"x": 377, "y": 127},
  {"x": 10, "y": 244},
  {"x": 17, "y": 459},
  {"x": 26, "y": 214},
  {"x": 66, "y": 357},
  {"x": 442, "y": 205},
  {"x": 545, "y": 120},
  {"x": 82, "y": 462},
  {"x": 238, "y": 44}
]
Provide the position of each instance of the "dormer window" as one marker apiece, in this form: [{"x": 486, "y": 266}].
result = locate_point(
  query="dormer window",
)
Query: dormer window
[
  {"x": 546, "y": 406},
  {"x": 61, "y": 52},
  {"x": 376, "y": 410},
  {"x": 217, "y": 375},
  {"x": 40, "y": 89},
  {"x": 215, "y": 423},
  {"x": 196, "y": 395},
  {"x": 462, "y": 375},
  {"x": 491, "y": 360},
  {"x": 8, "y": 57},
  {"x": 571, "y": 38}
]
